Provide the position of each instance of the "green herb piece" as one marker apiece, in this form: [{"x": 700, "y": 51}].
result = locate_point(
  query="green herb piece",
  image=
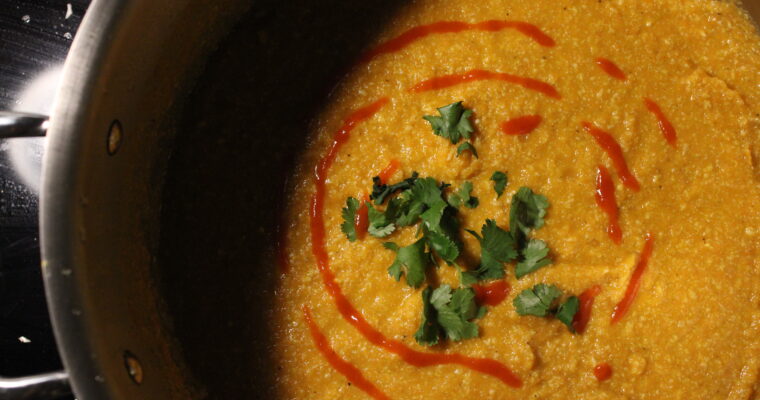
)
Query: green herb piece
[
  {"x": 380, "y": 223},
  {"x": 450, "y": 315},
  {"x": 536, "y": 301},
  {"x": 499, "y": 182},
  {"x": 380, "y": 190},
  {"x": 453, "y": 124},
  {"x": 567, "y": 310},
  {"x": 463, "y": 196},
  {"x": 429, "y": 331},
  {"x": 534, "y": 256},
  {"x": 466, "y": 146},
  {"x": 405, "y": 210},
  {"x": 412, "y": 259},
  {"x": 441, "y": 229},
  {"x": 527, "y": 211},
  {"x": 440, "y": 225},
  {"x": 467, "y": 278},
  {"x": 539, "y": 301},
  {"x": 496, "y": 248},
  {"x": 349, "y": 217},
  {"x": 427, "y": 191}
]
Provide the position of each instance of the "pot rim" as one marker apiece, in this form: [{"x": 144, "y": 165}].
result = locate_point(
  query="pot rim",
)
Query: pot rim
[{"x": 58, "y": 198}]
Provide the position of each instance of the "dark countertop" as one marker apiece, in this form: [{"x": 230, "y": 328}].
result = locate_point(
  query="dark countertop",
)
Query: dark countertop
[{"x": 35, "y": 36}]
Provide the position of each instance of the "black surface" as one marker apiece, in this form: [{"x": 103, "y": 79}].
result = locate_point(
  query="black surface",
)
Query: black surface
[{"x": 27, "y": 49}]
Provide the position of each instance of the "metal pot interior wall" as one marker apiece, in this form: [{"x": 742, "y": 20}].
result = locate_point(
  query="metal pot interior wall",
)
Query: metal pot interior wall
[{"x": 110, "y": 137}]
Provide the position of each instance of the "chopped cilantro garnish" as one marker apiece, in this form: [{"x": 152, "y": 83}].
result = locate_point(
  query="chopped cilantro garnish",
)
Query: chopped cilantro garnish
[
  {"x": 539, "y": 301},
  {"x": 349, "y": 216},
  {"x": 453, "y": 124},
  {"x": 411, "y": 259},
  {"x": 463, "y": 196},
  {"x": 567, "y": 310},
  {"x": 380, "y": 190},
  {"x": 499, "y": 182},
  {"x": 534, "y": 256},
  {"x": 466, "y": 146},
  {"x": 526, "y": 214},
  {"x": 440, "y": 225},
  {"x": 536, "y": 301},
  {"x": 448, "y": 313},
  {"x": 496, "y": 248},
  {"x": 429, "y": 330},
  {"x": 527, "y": 211},
  {"x": 405, "y": 209},
  {"x": 422, "y": 201},
  {"x": 380, "y": 223},
  {"x": 427, "y": 191}
]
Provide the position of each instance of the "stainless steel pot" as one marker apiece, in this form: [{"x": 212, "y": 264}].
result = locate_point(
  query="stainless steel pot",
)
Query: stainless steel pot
[
  {"x": 112, "y": 117},
  {"x": 109, "y": 138}
]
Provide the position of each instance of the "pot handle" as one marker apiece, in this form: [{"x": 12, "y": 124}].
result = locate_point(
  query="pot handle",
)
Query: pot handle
[
  {"x": 36, "y": 387},
  {"x": 54, "y": 384},
  {"x": 17, "y": 125}
]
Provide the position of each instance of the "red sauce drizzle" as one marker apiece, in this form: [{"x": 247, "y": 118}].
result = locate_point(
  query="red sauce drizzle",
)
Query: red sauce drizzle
[
  {"x": 668, "y": 132},
  {"x": 344, "y": 306},
  {"x": 492, "y": 294},
  {"x": 418, "y": 32},
  {"x": 603, "y": 372},
  {"x": 361, "y": 221},
  {"x": 605, "y": 199},
  {"x": 344, "y": 367},
  {"x": 633, "y": 285},
  {"x": 442, "y": 82},
  {"x": 581, "y": 318},
  {"x": 388, "y": 171},
  {"x": 610, "y": 68},
  {"x": 613, "y": 150},
  {"x": 521, "y": 125}
]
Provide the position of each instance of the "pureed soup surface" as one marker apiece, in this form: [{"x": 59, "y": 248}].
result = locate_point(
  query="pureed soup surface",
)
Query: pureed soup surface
[{"x": 636, "y": 120}]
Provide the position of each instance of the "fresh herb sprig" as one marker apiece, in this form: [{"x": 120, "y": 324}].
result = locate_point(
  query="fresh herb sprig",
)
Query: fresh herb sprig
[
  {"x": 349, "y": 216},
  {"x": 454, "y": 124},
  {"x": 499, "y": 182},
  {"x": 448, "y": 313},
  {"x": 541, "y": 301},
  {"x": 526, "y": 214}
]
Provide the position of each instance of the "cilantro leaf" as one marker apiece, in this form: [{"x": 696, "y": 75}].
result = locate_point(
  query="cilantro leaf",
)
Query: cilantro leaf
[
  {"x": 463, "y": 196},
  {"x": 429, "y": 330},
  {"x": 526, "y": 212},
  {"x": 405, "y": 208},
  {"x": 349, "y": 216},
  {"x": 441, "y": 229},
  {"x": 448, "y": 313},
  {"x": 380, "y": 190},
  {"x": 567, "y": 310},
  {"x": 427, "y": 191},
  {"x": 499, "y": 182},
  {"x": 463, "y": 302},
  {"x": 413, "y": 259},
  {"x": 497, "y": 247},
  {"x": 534, "y": 256},
  {"x": 454, "y": 317},
  {"x": 536, "y": 301},
  {"x": 380, "y": 223},
  {"x": 440, "y": 225},
  {"x": 466, "y": 146},
  {"x": 467, "y": 278},
  {"x": 453, "y": 124}
]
